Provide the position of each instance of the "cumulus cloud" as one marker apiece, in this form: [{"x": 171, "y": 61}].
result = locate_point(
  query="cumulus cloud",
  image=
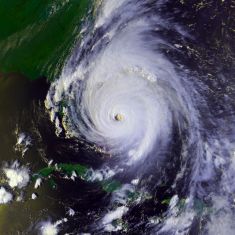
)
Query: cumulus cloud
[
  {"x": 5, "y": 197},
  {"x": 48, "y": 228},
  {"x": 18, "y": 176}
]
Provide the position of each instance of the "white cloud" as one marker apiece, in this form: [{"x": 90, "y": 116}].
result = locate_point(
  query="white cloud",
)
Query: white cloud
[
  {"x": 5, "y": 197},
  {"x": 48, "y": 228},
  {"x": 17, "y": 176},
  {"x": 112, "y": 216}
]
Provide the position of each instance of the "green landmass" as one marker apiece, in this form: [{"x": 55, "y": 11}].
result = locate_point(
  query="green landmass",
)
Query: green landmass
[{"x": 37, "y": 36}]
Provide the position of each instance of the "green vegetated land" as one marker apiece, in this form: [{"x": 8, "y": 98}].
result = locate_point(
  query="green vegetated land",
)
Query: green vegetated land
[{"x": 36, "y": 36}]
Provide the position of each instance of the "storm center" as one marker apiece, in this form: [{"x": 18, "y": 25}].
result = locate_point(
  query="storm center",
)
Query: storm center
[{"x": 119, "y": 117}]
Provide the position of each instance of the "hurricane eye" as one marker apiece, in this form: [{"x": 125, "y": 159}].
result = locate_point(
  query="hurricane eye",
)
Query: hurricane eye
[{"x": 119, "y": 117}]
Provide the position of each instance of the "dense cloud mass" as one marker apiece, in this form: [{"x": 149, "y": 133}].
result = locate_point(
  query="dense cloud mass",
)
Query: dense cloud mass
[{"x": 128, "y": 92}]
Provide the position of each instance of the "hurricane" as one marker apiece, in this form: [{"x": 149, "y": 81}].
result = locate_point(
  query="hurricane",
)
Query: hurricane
[{"x": 126, "y": 92}]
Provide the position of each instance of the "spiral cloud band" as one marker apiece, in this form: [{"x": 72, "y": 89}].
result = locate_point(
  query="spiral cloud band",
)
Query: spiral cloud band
[
  {"x": 123, "y": 96},
  {"x": 121, "y": 92}
]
